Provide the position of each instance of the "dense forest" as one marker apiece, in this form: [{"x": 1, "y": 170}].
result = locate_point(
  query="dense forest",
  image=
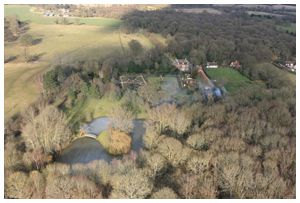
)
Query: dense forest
[
  {"x": 242, "y": 146},
  {"x": 222, "y": 38}
]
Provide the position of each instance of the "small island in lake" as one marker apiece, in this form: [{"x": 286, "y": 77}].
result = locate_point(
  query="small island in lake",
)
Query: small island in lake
[{"x": 115, "y": 141}]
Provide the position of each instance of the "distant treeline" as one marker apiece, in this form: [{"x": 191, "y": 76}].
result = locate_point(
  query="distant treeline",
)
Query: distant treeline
[{"x": 222, "y": 38}]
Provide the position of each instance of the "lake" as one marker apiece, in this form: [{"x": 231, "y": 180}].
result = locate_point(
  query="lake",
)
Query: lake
[{"x": 87, "y": 149}]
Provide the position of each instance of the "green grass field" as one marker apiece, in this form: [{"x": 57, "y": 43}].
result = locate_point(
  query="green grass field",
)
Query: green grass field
[
  {"x": 288, "y": 75},
  {"x": 57, "y": 42},
  {"x": 93, "y": 108},
  {"x": 231, "y": 78},
  {"x": 290, "y": 27}
]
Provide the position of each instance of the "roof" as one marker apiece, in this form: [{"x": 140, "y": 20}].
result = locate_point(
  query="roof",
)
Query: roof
[{"x": 212, "y": 64}]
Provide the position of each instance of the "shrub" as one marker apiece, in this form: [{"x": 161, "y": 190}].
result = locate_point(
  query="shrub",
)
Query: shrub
[{"x": 26, "y": 40}]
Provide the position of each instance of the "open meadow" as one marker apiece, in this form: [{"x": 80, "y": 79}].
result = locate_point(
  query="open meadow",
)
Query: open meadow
[
  {"x": 230, "y": 78},
  {"x": 92, "y": 38},
  {"x": 233, "y": 80}
]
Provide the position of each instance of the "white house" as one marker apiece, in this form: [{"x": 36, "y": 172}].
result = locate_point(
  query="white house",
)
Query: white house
[
  {"x": 212, "y": 65},
  {"x": 290, "y": 65}
]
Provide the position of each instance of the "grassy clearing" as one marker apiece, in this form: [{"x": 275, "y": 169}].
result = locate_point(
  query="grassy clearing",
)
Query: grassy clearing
[
  {"x": 200, "y": 10},
  {"x": 231, "y": 78},
  {"x": 25, "y": 13},
  {"x": 258, "y": 13},
  {"x": 93, "y": 108},
  {"x": 290, "y": 27}
]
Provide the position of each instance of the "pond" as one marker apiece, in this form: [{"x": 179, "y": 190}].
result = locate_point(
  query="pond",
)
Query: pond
[{"x": 87, "y": 149}]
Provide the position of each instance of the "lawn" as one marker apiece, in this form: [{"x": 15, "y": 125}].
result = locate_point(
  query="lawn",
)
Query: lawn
[
  {"x": 62, "y": 43},
  {"x": 93, "y": 108},
  {"x": 230, "y": 78}
]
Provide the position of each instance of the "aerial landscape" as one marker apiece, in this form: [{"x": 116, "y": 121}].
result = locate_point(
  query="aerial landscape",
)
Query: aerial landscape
[{"x": 136, "y": 101}]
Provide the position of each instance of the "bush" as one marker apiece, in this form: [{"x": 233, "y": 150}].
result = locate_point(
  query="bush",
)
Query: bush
[
  {"x": 26, "y": 40},
  {"x": 50, "y": 81}
]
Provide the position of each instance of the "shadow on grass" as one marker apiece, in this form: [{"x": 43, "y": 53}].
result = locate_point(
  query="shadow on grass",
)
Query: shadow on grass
[{"x": 37, "y": 41}]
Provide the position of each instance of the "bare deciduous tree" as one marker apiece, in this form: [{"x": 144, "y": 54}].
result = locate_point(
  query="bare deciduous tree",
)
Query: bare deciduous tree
[
  {"x": 188, "y": 187},
  {"x": 154, "y": 163},
  {"x": 133, "y": 185},
  {"x": 173, "y": 151},
  {"x": 37, "y": 184},
  {"x": 48, "y": 130},
  {"x": 121, "y": 119},
  {"x": 16, "y": 186},
  {"x": 151, "y": 138},
  {"x": 167, "y": 115},
  {"x": 198, "y": 164},
  {"x": 71, "y": 187},
  {"x": 164, "y": 193}
]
